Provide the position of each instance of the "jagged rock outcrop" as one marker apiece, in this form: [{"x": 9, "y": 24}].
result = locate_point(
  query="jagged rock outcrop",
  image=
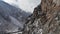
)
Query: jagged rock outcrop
[{"x": 45, "y": 18}]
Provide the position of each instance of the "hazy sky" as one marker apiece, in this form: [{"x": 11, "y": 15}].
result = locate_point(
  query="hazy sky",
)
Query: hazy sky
[{"x": 27, "y": 5}]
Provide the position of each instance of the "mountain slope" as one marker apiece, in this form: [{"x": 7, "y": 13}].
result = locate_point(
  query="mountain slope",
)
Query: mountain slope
[
  {"x": 45, "y": 18},
  {"x": 11, "y": 18}
]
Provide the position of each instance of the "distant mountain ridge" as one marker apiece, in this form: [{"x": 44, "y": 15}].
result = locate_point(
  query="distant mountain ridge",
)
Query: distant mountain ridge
[{"x": 11, "y": 18}]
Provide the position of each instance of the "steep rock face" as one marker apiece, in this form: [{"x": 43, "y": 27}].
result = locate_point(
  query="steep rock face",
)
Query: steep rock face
[{"x": 45, "y": 18}]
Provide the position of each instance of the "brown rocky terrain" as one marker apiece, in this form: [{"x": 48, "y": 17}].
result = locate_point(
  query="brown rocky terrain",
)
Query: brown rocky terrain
[{"x": 45, "y": 18}]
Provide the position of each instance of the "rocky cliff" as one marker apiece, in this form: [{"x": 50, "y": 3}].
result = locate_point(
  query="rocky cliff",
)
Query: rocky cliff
[{"x": 45, "y": 18}]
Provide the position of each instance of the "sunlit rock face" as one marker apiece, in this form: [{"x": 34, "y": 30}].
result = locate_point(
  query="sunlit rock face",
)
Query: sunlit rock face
[
  {"x": 11, "y": 18},
  {"x": 27, "y": 5}
]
